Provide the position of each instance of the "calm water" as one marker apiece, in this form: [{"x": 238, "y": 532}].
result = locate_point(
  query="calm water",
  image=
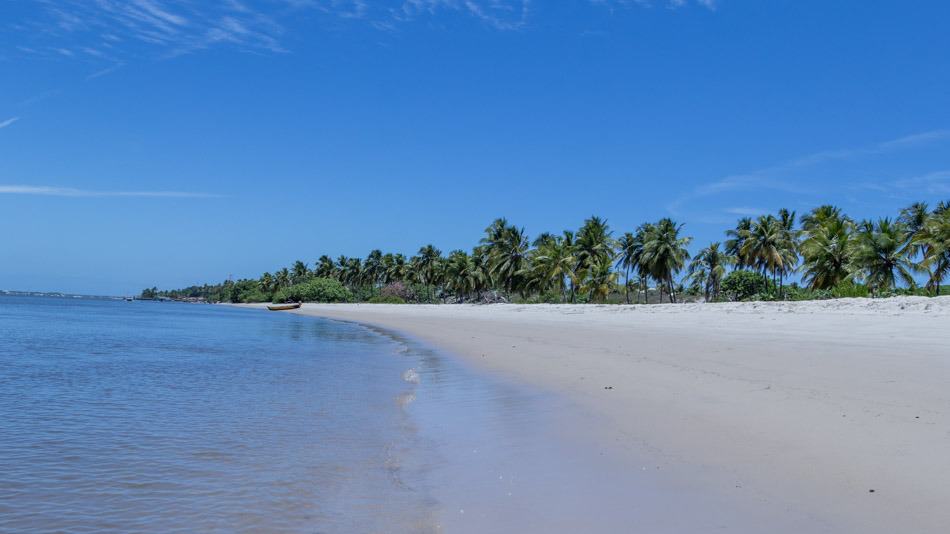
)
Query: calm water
[{"x": 161, "y": 417}]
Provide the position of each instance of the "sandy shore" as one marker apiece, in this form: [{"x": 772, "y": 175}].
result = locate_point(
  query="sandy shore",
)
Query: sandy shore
[{"x": 836, "y": 410}]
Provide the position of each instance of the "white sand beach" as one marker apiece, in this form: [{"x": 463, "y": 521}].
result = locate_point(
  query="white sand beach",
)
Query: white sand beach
[{"x": 837, "y": 410}]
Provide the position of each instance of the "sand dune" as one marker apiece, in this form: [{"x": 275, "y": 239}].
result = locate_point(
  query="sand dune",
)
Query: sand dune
[{"x": 836, "y": 410}]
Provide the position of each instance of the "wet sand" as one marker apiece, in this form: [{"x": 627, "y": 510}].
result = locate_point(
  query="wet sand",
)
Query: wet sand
[{"x": 832, "y": 416}]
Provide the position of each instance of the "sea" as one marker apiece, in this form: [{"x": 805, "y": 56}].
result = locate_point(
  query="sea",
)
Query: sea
[{"x": 149, "y": 416}]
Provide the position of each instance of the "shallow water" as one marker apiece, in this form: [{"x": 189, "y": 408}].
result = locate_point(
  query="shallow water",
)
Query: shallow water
[{"x": 157, "y": 417}]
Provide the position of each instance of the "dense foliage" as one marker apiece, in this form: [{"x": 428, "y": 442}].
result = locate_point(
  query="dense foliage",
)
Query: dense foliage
[
  {"x": 314, "y": 290},
  {"x": 831, "y": 254},
  {"x": 744, "y": 285}
]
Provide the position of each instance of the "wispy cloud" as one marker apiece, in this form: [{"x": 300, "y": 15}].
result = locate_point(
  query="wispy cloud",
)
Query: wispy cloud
[
  {"x": 934, "y": 183},
  {"x": 745, "y": 211},
  {"x": 39, "y": 97},
  {"x": 499, "y": 14},
  {"x": 672, "y": 4},
  {"x": 73, "y": 192},
  {"x": 104, "y": 72},
  {"x": 778, "y": 177},
  {"x": 8, "y": 122},
  {"x": 901, "y": 143},
  {"x": 118, "y": 31}
]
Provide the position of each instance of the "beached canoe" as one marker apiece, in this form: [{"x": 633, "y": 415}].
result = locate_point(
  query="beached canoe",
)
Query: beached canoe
[{"x": 279, "y": 307}]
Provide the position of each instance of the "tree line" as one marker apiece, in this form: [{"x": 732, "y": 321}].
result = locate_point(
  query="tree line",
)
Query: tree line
[{"x": 831, "y": 254}]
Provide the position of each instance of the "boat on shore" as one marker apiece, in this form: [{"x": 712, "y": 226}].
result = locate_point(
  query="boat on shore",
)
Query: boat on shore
[{"x": 281, "y": 307}]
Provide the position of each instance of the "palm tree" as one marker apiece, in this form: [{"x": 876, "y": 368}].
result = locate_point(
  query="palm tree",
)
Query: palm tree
[
  {"x": 575, "y": 272},
  {"x": 879, "y": 256},
  {"x": 551, "y": 265},
  {"x": 708, "y": 269},
  {"x": 464, "y": 274},
  {"x": 480, "y": 270},
  {"x": 394, "y": 268},
  {"x": 373, "y": 267},
  {"x": 914, "y": 218},
  {"x": 545, "y": 238},
  {"x": 351, "y": 271},
  {"x": 456, "y": 266},
  {"x": 737, "y": 240},
  {"x": 426, "y": 267},
  {"x": 601, "y": 279},
  {"x": 821, "y": 215},
  {"x": 594, "y": 246},
  {"x": 790, "y": 244},
  {"x": 627, "y": 259},
  {"x": 665, "y": 253},
  {"x": 299, "y": 272},
  {"x": 643, "y": 270},
  {"x": 933, "y": 238},
  {"x": 266, "y": 284},
  {"x": 325, "y": 267},
  {"x": 769, "y": 247},
  {"x": 594, "y": 243},
  {"x": 340, "y": 272},
  {"x": 283, "y": 278},
  {"x": 507, "y": 248},
  {"x": 826, "y": 252}
]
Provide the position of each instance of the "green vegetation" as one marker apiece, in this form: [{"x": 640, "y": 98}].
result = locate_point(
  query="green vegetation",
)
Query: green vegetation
[
  {"x": 832, "y": 255},
  {"x": 386, "y": 299},
  {"x": 149, "y": 293},
  {"x": 313, "y": 290},
  {"x": 745, "y": 285}
]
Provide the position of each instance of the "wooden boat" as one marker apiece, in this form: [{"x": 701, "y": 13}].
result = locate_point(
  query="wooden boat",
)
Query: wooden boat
[{"x": 280, "y": 307}]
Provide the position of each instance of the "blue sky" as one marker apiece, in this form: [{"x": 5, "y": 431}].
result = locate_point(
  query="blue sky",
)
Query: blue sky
[{"x": 173, "y": 142}]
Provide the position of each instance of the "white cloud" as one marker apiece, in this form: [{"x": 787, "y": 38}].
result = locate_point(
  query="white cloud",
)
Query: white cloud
[
  {"x": 746, "y": 211},
  {"x": 117, "y": 30},
  {"x": 73, "y": 192},
  {"x": 934, "y": 183},
  {"x": 499, "y": 14},
  {"x": 121, "y": 30},
  {"x": 105, "y": 71},
  {"x": 672, "y": 4},
  {"x": 775, "y": 178},
  {"x": 8, "y": 122}
]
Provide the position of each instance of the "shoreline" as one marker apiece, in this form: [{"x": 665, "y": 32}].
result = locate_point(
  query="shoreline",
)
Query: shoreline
[{"x": 801, "y": 406}]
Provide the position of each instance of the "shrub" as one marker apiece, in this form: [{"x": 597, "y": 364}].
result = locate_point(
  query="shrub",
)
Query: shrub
[
  {"x": 849, "y": 289},
  {"x": 314, "y": 290},
  {"x": 387, "y": 299},
  {"x": 746, "y": 285},
  {"x": 364, "y": 293},
  {"x": 254, "y": 295},
  {"x": 398, "y": 289}
]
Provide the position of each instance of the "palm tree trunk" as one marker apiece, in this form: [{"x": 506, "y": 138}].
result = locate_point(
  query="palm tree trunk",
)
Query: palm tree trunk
[
  {"x": 937, "y": 282},
  {"x": 626, "y": 284}
]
